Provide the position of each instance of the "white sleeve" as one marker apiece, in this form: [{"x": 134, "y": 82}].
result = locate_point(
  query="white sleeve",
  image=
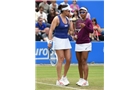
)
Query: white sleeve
[{"x": 38, "y": 14}]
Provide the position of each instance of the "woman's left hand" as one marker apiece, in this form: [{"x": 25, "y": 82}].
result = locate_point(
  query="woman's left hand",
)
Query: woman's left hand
[{"x": 82, "y": 25}]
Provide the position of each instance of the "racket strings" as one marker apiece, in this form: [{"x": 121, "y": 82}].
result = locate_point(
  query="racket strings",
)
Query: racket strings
[{"x": 52, "y": 57}]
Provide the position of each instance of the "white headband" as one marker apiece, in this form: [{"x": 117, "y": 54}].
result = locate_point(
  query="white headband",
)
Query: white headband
[
  {"x": 84, "y": 9},
  {"x": 66, "y": 8}
]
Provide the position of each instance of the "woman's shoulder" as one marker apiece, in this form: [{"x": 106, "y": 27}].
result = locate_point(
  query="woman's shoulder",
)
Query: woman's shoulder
[{"x": 57, "y": 17}]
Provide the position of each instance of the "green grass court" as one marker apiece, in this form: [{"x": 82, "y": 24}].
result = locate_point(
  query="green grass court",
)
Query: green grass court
[{"x": 46, "y": 78}]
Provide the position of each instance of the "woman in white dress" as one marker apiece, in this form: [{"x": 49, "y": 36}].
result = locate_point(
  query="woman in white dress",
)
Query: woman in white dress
[
  {"x": 83, "y": 46},
  {"x": 61, "y": 44}
]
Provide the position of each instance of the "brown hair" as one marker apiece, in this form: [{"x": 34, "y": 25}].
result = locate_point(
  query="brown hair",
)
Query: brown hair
[
  {"x": 54, "y": 13},
  {"x": 94, "y": 20},
  {"x": 77, "y": 13}
]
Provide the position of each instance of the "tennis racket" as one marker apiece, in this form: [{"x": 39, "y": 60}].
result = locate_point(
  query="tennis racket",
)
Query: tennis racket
[{"x": 53, "y": 57}]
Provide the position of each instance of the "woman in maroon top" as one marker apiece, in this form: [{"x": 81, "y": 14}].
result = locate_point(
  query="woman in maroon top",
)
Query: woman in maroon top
[{"x": 83, "y": 46}]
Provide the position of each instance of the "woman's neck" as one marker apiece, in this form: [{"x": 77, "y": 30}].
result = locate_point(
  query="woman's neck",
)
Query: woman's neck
[
  {"x": 63, "y": 15},
  {"x": 84, "y": 18}
]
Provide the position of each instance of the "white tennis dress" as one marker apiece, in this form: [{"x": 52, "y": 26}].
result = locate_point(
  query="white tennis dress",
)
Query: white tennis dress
[
  {"x": 83, "y": 47},
  {"x": 59, "y": 44}
]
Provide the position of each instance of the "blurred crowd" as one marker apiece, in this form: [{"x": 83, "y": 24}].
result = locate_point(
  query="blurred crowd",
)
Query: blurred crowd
[{"x": 46, "y": 10}]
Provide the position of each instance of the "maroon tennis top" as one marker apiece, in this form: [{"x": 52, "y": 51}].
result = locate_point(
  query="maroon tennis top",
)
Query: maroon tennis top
[{"x": 83, "y": 35}]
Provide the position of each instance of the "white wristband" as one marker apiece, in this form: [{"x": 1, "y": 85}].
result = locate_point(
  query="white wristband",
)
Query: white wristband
[{"x": 50, "y": 42}]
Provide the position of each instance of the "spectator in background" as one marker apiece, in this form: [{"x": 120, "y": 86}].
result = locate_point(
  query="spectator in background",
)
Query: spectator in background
[
  {"x": 51, "y": 15},
  {"x": 54, "y": 5},
  {"x": 70, "y": 16},
  {"x": 36, "y": 7},
  {"x": 65, "y": 3},
  {"x": 41, "y": 13},
  {"x": 49, "y": 1},
  {"x": 38, "y": 37},
  {"x": 45, "y": 36},
  {"x": 102, "y": 32},
  {"x": 88, "y": 15},
  {"x": 74, "y": 6},
  {"x": 36, "y": 17},
  {"x": 75, "y": 15},
  {"x": 41, "y": 26},
  {"x": 74, "y": 18},
  {"x": 45, "y": 5},
  {"x": 97, "y": 29}
]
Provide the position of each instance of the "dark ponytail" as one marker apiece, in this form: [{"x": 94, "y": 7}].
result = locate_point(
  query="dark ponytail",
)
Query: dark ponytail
[{"x": 61, "y": 6}]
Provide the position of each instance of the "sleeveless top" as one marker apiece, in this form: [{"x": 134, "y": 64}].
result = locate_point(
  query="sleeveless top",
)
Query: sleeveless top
[{"x": 61, "y": 31}]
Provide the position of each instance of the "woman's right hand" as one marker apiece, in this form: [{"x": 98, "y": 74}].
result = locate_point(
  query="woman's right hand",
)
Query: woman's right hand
[{"x": 49, "y": 45}]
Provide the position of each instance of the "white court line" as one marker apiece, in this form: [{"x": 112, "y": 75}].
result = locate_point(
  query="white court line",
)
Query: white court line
[{"x": 60, "y": 86}]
